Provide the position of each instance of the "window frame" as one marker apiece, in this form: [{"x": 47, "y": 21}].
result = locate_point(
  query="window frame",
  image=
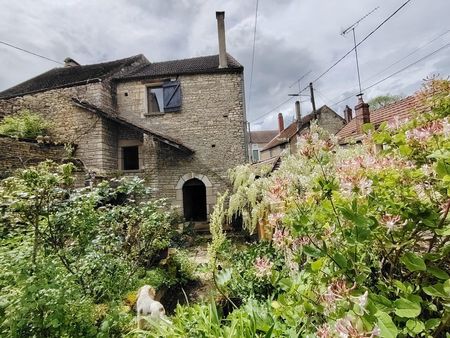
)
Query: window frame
[{"x": 130, "y": 143}]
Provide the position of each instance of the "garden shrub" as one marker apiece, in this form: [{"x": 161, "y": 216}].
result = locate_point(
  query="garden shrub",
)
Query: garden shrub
[
  {"x": 24, "y": 124},
  {"x": 364, "y": 232},
  {"x": 68, "y": 257}
]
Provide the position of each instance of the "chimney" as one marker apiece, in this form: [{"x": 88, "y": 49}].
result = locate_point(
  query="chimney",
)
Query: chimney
[
  {"x": 280, "y": 122},
  {"x": 348, "y": 114},
  {"x": 362, "y": 114},
  {"x": 220, "y": 16},
  {"x": 69, "y": 62},
  {"x": 298, "y": 115}
]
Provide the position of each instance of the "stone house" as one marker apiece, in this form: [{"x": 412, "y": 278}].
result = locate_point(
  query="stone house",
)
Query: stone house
[
  {"x": 257, "y": 141},
  {"x": 178, "y": 124},
  {"x": 285, "y": 142}
]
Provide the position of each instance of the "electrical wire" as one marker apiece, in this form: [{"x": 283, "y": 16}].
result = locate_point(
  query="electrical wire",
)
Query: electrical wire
[
  {"x": 253, "y": 56},
  {"x": 408, "y": 55},
  {"x": 395, "y": 73},
  {"x": 357, "y": 45},
  {"x": 32, "y": 53},
  {"x": 273, "y": 109},
  {"x": 342, "y": 58}
]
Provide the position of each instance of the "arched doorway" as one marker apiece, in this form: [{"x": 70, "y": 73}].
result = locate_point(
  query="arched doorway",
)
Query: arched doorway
[{"x": 194, "y": 200}]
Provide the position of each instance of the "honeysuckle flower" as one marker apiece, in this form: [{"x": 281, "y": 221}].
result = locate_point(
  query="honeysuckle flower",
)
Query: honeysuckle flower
[
  {"x": 324, "y": 331},
  {"x": 365, "y": 186},
  {"x": 281, "y": 238},
  {"x": 263, "y": 266},
  {"x": 346, "y": 328},
  {"x": 361, "y": 300},
  {"x": 275, "y": 218},
  {"x": 396, "y": 123},
  {"x": 337, "y": 290},
  {"x": 391, "y": 222}
]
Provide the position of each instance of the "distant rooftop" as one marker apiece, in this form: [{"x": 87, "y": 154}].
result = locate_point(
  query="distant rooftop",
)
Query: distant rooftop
[
  {"x": 401, "y": 109},
  {"x": 262, "y": 136}
]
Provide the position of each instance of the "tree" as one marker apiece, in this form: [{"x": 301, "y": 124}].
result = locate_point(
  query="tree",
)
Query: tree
[{"x": 383, "y": 101}]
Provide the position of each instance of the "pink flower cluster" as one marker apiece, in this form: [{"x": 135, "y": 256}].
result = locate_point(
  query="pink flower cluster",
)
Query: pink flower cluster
[
  {"x": 391, "y": 222},
  {"x": 278, "y": 191},
  {"x": 335, "y": 291},
  {"x": 281, "y": 238},
  {"x": 346, "y": 328},
  {"x": 263, "y": 266},
  {"x": 422, "y": 134}
]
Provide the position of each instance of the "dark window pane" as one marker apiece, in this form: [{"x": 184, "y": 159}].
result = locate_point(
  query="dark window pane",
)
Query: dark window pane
[{"x": 130, "y": 158}]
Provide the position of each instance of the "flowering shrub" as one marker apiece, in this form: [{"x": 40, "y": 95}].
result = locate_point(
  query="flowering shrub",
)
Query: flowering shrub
[{"x": 364, "y": 232}]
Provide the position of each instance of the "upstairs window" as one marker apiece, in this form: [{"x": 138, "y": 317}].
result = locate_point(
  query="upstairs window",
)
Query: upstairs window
[
  {"x": 130, "y": 157},
  {"x": 255, "y": 155},
  {"x": 165, "y": 98}
]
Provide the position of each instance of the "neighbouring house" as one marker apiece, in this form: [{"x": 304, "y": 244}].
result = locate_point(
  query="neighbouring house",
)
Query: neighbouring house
[
  {"x": 180, "y": 125},
  {"x": 257, "y": 141},
  {"x": 285, "y": 142},
  {"x": 395, "y": 113}
]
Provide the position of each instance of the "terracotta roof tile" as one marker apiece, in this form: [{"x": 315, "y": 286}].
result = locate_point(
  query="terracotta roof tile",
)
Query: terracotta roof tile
[{"x": 401, "y": 109}]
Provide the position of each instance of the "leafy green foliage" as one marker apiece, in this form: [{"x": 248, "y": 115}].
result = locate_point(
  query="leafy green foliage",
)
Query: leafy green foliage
[
  {"x": 69, "y": 256},
  {"x": 363, "y": 236},
  {"x": 383, "y": 101},
  {"x": 24, "y": 124}
]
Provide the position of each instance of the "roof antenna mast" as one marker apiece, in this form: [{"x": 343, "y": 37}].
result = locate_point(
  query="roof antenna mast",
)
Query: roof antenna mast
[{"x": 352, "y": 28}]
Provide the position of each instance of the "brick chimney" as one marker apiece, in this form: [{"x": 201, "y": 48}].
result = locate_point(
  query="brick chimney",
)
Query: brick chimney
[
  {"x": 362, "y": 114},
  {"x": 280, "y": 122},
  {"x": 220, "y": 16},
  {"x": 348, "y": 114}
]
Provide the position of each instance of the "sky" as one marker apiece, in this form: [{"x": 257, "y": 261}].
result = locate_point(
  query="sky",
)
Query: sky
[{"x": 293, "y": 38}]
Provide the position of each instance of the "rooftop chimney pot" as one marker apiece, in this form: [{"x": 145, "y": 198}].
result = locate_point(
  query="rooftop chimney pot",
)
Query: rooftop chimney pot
[
  {"x": 348, "y": 114},
  {"x": 280, "y": 122},
  {"x": 362, "y": 114},
  {"x": 220, "y": 16},
  {"x": 69, "y": 62}
]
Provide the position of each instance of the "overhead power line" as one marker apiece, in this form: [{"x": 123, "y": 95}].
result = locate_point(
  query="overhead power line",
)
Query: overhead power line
[
  {"x": 397, "y": 72},
  {"x": 253, "y": 55},
  {"x": 273, "y": 109},
  {"x": 408, "y": 55},
  {"x": 358, "y": 44},
  {"x": 29, "y": 52},
  {"x": 342, "y": 58}
]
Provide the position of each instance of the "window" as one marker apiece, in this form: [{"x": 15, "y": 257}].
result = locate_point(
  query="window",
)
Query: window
[
  {"x": 130, "y": 156},
  {"x": 165, "y": 98},
  {"x": 255, "y": 155}
]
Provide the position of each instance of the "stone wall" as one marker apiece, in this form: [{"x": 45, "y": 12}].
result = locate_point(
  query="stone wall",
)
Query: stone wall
[
  {"x": 211, "y": 122},
  {"x": 19, "y": 153},
  {"x": 72, "y": 124}
]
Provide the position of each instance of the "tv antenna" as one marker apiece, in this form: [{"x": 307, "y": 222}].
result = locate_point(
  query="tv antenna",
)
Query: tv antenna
[{"x": 352, "y": 28}]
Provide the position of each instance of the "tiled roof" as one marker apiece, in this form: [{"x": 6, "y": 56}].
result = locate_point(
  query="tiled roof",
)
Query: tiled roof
[
  {"x": 69, "y": 76},
  {"x": 401, "y": 109},
  {"x": 120, "y": 120},
  {"x": 197, "y": 65},
  {"x": 283, "y": 137},
  {"x": 262, "y": 136},
  {"x": 291, "y": 130}
]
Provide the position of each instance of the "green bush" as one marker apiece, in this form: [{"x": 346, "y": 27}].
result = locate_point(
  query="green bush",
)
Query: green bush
[
  {"x": 24, "y": 124},
  {"x": 364, "y": 235},
  {"x": 69, "y": 256}
]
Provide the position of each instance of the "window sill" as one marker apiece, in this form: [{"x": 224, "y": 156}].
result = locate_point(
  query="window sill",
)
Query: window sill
[{"x": 154, "y": 114}]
